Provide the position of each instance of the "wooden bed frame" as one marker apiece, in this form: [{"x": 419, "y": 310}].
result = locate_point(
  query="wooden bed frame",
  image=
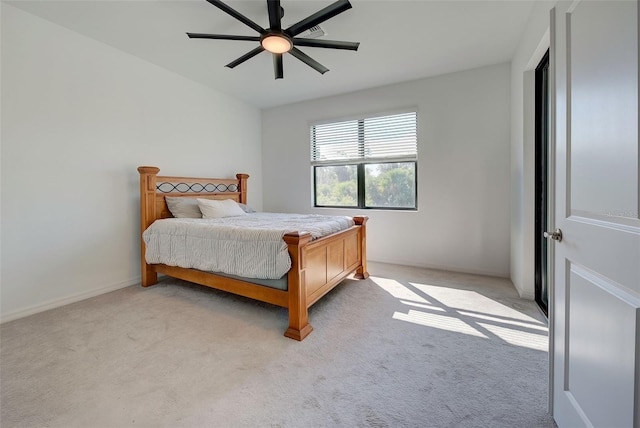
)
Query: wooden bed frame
[{"x": 316, "y": 266}]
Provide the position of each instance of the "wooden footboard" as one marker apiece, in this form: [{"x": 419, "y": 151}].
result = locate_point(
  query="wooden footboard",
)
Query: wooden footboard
[{"x": 316, "y": 266}]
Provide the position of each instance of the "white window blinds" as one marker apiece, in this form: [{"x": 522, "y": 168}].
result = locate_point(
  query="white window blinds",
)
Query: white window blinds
[{"x": 383, "y": 137}]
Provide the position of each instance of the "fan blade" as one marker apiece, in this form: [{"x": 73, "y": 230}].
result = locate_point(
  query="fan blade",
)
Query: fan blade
[
  {"x": 223, "y": 37},
  {"x": 318, "y": 17},
  {"x": 308, "y": 60},
  {"x": 237, "y": 15},
  {"x": 275, "y": 15},
  {"x": 277, "y": 66},
  {"x": 245, "y": 57},
  {"x": 333, "y": 44}
]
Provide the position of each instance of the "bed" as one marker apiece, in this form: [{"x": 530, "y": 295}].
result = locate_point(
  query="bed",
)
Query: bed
[{"x": 317, "y": 265}]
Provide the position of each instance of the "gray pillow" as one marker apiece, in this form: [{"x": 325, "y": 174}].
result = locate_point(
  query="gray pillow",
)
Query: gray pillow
[
  {"x": 183, "y": 207},
  {"x": 246, "y": 208}
]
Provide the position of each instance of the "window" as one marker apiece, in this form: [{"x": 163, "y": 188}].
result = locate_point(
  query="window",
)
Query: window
[{"x": 366, "y": 163}]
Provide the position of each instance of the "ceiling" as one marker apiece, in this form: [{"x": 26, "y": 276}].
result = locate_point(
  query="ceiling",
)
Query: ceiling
[{"x": 399, "y": 41}]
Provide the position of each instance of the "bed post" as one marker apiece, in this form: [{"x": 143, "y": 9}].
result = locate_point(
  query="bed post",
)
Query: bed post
[
  {"x": 242, "y": 181},
  {"x": 299, "y": 326},
  {"x": 147, "y": 216},
  {"x": 362, "y": 272}
]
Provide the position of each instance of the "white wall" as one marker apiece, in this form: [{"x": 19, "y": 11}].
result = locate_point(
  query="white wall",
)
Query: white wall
[
  {"x": 533, "y": 44},
  {"x": 78, "y": 117},
  {"x": 463, "y": 169}
]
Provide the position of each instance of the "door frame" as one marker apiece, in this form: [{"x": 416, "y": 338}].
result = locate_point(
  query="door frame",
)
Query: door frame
[
  {"x": 542, "y": 154},
  {"x": 551, "y": 207}
]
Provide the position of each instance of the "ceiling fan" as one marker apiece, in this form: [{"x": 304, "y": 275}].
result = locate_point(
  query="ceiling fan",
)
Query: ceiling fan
[{"x": 279, "y": 41}]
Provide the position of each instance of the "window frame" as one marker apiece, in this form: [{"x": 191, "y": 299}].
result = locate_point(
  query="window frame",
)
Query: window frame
[{"x": 361, "y": 161}]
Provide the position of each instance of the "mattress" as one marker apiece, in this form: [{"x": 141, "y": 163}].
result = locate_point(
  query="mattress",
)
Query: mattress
[{"x": 249, "y": 246}]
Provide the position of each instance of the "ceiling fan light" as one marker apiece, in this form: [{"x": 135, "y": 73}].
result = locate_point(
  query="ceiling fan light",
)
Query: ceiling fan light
[{"x": 276, "y": 43}]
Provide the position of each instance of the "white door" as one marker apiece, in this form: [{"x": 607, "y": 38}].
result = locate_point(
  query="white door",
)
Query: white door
[{"x": 596, "y": 292}]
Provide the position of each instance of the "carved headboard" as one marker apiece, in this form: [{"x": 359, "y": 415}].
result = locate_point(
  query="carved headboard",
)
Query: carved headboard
[{"x": 153, "y": 189}]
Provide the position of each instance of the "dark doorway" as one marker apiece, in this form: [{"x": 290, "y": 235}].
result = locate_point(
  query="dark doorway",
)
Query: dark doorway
[{"x": 541, "y": 182}]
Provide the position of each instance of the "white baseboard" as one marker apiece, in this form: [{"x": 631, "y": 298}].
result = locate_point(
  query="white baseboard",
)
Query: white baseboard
[
  {"x": 443, "y": 267},
  {"x": 56, "y": 303},
  {"x": 525, "y": 294}
]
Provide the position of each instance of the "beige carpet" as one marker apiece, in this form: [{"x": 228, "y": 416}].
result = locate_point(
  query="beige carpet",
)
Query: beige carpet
[{"x": 407, "y": 347}]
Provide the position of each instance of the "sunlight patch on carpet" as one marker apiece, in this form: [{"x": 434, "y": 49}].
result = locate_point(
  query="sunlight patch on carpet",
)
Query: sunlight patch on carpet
[
  {"x": 423, "y": 306},
  {"x": 526, "y": 339},
  {"x": 471, "y": 301},
  {"x": 466, "y": 312},
  {"x": 537, "y": 325},
  {"x": 442, "y": 322},
  {"x": 398, "y": 290}
]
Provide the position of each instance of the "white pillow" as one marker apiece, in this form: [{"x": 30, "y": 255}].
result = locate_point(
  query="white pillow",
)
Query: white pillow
[
  {"x": 212, "y": 208},
  {"x": 183, "y": 207}
]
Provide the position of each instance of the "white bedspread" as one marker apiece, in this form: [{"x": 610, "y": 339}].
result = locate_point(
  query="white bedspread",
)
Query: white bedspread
[{"x": 250, "y": 246}]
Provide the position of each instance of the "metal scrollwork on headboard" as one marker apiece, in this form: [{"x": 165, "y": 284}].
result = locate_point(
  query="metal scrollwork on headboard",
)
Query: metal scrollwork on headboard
[{"x": 167, "y": 187}]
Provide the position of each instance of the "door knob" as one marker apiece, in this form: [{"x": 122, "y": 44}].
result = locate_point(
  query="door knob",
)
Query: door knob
[{"x": 556, "y": 236}]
